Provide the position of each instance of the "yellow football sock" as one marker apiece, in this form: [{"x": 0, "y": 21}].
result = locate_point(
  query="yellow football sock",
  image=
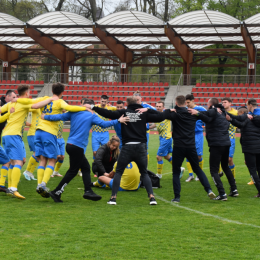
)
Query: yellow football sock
[
  {"x": 40, "y": 173},
  {"x": 201, "y": 163},
  {"x": 189, "y": 167},
  {"x": 170, "y": 160},
  {"x": 16, "y": 175},
  {"x": 32, "y": 164},
  {"x": 233, "y": 170},
  {"x": 98, "y": 183},
  {"x": 58, "y": 165},
  {"x": 47, "y": 173},
  {"x": 220, "y": 169},
  {"x": 4, "y": 172},
  {"x": 148, "y": 157},
  {"x": 159, "y": 167},
  {"x": 10, "y": 175}
]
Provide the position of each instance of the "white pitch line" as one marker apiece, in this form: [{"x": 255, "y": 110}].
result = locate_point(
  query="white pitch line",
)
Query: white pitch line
[
  {"x": 205, "y": 214},
  {"x": 205, "y": 168}
]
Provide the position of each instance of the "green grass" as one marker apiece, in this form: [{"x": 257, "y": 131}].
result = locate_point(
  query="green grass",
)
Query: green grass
[{"x": 37, "y": 228}]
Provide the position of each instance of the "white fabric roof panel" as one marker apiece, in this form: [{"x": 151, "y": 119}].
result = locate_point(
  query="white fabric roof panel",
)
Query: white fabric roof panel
[
  {"x": 251, "y": 20},
  {"x": 65, "y": 18},
  {"x": 134, "y": 18},
  {"x": 206, "y": 17},
  {"x": 6, "y": 19}
]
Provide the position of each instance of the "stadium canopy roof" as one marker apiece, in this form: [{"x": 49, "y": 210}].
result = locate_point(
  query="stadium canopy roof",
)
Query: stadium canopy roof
[{"x": 126, "y": 34}]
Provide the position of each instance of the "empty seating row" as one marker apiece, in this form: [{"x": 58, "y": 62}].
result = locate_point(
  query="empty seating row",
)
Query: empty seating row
[
  {"x": 222, "y": 95},
  {"x": 22, "y": 82},
  {"x": 166, "y": 84},
  {"x": 241, "y": 85},
  {"x": 115, "y": 88},
  {"x": 225, "y": 90},
  {"x": 12, "y": 87},
  {"x": 33, "y": 92},
  {"x": 95, "y": 93}
]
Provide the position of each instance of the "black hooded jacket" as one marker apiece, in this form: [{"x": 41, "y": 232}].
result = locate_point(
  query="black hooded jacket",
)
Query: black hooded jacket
[
  {"x": 250, "y": 132},
  {"x": 184, "y": 124},
  {"x": 216, "y": 126},
  {"x": 135, "y": 130}
]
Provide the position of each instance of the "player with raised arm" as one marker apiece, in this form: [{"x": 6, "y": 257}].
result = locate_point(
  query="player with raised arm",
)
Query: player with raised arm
[
  {"x": 46, "y": 136},
  {"x": 139, "y": 101},
  {"x": 165, "y": 136},
  {"x": 100, "y": 136},
  {"x": 12, "y": 136},
  {"x": 227, "y": 103},
  {"x": 199, "y": 138},
  {"x": 81, "y": 124}
]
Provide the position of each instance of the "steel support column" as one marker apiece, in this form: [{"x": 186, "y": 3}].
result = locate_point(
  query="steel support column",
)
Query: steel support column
[
  {"x": 120, "y": 51},
  {"x": 251, "y": 52},
  {"x": 7, "y": 54},
  {"x": 184, "y": 51},
  {"x": 64, "y": 54}
]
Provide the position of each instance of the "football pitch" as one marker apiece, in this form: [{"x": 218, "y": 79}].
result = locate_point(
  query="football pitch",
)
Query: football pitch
[{"x": 197, "y": 228}]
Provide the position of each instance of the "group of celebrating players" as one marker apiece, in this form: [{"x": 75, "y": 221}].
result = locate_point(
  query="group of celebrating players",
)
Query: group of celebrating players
[{"x": 48, "y": 146}]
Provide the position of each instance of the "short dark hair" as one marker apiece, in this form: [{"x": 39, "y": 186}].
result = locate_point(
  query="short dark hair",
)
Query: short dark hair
[
  {"x": 119, "y": 102},
  {"x": 160, "y": 101},
  {"x": 244, "y": 109},
  {"x": 9, "y": 92},
  {"x": 214, "y": 101},
  {"x": 104, "y": 97},
  {"x": 252, "y": 102},
  {"x": 189, "y": 97},
  {"x": 87, "y": 101},
  {"x": 131, "y": 100},
  {"x": 180, "y": 100},
  {"x": 22, "y": 89},
  {"x": 227, "y": 99},
  {"x": 57, "y": 88}
]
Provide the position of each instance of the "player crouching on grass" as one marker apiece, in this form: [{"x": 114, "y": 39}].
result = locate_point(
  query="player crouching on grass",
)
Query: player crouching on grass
[
  {"x": 105, "y": 161},
  {"x": 250, "y": 140},
  {"x": 106, "y": 157}
]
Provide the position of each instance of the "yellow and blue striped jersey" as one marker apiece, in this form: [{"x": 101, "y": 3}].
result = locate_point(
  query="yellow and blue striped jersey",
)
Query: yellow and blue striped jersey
[
  {"x": 36, "y": 115},
  {"x": 53, "y": 108},
  {"x": 131, "y": 176},
  {"x": 164, "y": 129},
  {"x": 16, "y": 120},
  {"x": 232, "y": 129},
  {"x": 61, "y": 124},
  {"x": 96, "y": 128}
]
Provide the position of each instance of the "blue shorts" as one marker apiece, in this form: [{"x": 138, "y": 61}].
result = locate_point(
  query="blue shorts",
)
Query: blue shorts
[
  {"x": 98, "y": 139},
  {"x": 165, "y": 146},
  {"x": 147, "y": 137},
  {"x": 61, "y": 146},
  {"x": 30, "y": 140},
  {"x": 120, "y": 189},
  {"x": 3, "y": 156},
  {"x": 45, "y": 144},
  {"x": 199, "y": 140},
  {"x": 232, "y": 147},
  {"x": 14, "y": 147}
]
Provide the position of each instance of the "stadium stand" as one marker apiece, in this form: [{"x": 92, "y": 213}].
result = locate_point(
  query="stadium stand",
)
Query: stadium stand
[
  {"x": 36, "y": 86},
  {"x": 151, "y": 92},
  {"x": 239, "y": 93},
  {"x": 74, "y": 91}
]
